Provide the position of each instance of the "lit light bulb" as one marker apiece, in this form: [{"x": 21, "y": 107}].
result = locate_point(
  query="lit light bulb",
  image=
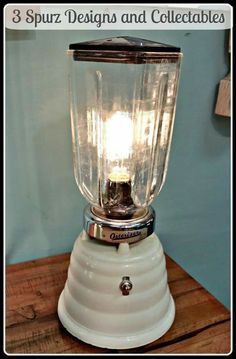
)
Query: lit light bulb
[
  {"x": 119, "y": 136},
  {"x": 118, "y": 144}
]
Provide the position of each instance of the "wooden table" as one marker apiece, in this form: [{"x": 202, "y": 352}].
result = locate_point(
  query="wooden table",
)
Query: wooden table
[{"x": 202, "y": 324}]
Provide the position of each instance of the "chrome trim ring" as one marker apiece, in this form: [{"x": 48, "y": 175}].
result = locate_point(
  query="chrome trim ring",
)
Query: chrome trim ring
[{"x": 117, "y": 231}]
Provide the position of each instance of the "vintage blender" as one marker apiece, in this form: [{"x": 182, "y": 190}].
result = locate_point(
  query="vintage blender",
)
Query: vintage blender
[{"x": 123, "y": 98}]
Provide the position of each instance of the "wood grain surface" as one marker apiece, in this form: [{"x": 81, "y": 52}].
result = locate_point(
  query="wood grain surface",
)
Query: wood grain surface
[{"x": 202, "y": 324}]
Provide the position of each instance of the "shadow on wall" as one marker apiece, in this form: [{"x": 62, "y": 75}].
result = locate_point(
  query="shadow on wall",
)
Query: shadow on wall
[
  {"x": 44, "y": 205},
  {"x": 54, "y": 173},
  {"x": 13, "y": 35},
  {"x": 221, "y": 124}
]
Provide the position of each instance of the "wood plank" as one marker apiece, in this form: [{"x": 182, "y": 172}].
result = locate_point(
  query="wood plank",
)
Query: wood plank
[
  {"x": 188, "y": 320},
  {"x": 223, "y": 103},
  {"x": 214, "y": 339},
  {"x": 224, "y": 97},
  {"x": 32, "y": 324}
]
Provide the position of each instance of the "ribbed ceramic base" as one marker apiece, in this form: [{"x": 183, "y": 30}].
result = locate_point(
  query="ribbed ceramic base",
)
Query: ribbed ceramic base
[{"x": 92, "y": 307}]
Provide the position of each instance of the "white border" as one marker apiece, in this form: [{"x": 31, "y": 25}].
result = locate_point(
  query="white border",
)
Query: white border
[
  {"x": 4, "y": 215},
  {"x": 148, "y": 25}
]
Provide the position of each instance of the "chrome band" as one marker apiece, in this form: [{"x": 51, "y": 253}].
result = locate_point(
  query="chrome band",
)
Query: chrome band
[{"x": 117, "y": 231}]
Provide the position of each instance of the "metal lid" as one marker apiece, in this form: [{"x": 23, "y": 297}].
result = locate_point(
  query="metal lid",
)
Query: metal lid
[{"x": 124, "y": 43}]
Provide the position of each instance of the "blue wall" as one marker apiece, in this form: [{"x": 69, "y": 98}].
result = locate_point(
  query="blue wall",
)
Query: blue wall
[{"x": 43, "y": 205}]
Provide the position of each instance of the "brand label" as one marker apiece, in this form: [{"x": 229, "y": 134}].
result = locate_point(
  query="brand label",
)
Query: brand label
[
  {"x": 125, "y": 235},
  {"x": 119, "y": 236}
]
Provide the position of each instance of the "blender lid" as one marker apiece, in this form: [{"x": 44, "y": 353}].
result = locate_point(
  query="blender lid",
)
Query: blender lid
[{"x": 124, "y": 43}]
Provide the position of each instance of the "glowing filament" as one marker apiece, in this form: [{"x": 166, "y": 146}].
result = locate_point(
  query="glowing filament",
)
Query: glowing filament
[{"x": 118, "y": 137}]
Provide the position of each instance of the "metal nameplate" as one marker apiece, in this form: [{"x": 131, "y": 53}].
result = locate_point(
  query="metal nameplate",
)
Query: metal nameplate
[{"x": 122, "y": 235}]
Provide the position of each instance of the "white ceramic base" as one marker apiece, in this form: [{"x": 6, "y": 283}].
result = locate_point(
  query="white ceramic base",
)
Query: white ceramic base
[{"x": 92, "y": 307}]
